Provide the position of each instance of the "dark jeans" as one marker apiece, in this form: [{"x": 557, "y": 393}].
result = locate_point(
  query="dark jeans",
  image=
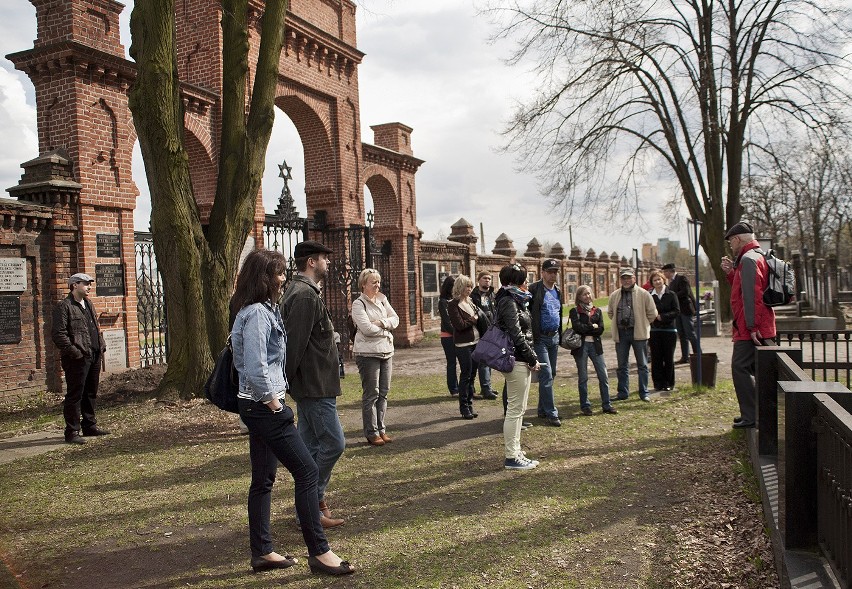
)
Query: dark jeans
[
  {"x": 81, "y": 391},
  {"x": 663, "y": 344},
  {"x": 273, "y": 438},
  {"x": 468, "y": 375},
  {"x": 450, "y": 354},
  {"x": 686, "y": 332}
]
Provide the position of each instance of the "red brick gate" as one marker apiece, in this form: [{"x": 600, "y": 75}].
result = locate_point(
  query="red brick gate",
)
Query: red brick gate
[{"x": 74, "y": 204}]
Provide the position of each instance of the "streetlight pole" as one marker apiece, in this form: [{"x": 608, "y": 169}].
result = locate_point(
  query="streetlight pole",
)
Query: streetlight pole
[{"x": 693, "y": 246}]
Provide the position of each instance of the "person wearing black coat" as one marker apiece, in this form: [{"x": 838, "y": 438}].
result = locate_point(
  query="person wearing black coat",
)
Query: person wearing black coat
[
  {"x": 513, "y": 317},
  {"x": 587, "y": 321},
  {"x": 447, "y": 335},
  {"x": 464, "y": 315},
  {"x": 685, "y": 322},
  {"x": 663, "y": 334}
]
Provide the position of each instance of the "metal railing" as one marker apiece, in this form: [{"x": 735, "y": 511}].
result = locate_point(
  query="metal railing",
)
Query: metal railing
[
  {"x": 826, "y": 354},
  {"x": 151, "y": 303}
]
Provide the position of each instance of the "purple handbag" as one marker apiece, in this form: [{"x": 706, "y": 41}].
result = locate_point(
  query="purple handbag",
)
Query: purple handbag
[{"x": 495, "y": 350}]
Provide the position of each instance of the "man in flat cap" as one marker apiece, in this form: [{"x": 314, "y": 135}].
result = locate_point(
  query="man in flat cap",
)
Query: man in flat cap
[
  {"x": 546, "y": 314},
  {"x": 753, "y": 321},
  {"x": 685, "y": 321},
  {"x": 312, "y": 365},
  {"x": 631, "y": 310},
  {"x": 75, "y": 332}
]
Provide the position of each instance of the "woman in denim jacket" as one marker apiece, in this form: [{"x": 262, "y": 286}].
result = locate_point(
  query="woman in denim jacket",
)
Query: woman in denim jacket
[{"x": 259, "y": 344}]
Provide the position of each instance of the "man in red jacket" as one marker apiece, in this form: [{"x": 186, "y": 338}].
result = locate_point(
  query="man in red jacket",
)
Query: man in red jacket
[{"x": 753, "y": 321}]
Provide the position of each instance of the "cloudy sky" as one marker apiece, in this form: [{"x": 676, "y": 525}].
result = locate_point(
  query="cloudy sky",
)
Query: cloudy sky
[{"x": 428, "y": 65}]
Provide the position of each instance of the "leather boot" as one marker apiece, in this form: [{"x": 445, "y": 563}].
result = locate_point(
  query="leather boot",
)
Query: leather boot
[{"x": 326, "y": 519}]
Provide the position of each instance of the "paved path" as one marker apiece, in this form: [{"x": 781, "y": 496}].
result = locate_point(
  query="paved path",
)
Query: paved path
[{"x": 427, "y": 358}]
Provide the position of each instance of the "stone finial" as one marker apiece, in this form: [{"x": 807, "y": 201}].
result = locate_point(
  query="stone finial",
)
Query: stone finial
[
  {"x": 591, "y": 255},
  {"x": 534, "y": 249},
  {"x": 503, "y": 246},
  {"x": 604, "y": 257},
  {"x": 558, "y": 252},
  {"x": 613, "y": 257},
  {"x": 575, "y": 253},
  {"x": 462, "y": 232}
]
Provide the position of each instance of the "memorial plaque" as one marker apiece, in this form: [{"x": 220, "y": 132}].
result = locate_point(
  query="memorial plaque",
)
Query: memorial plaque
[
  {"x": 115, "y": 357},
  {"x": 109, "y": 280},
  {"x": 10, "y": 320},
  {"x": 430, "y": 278},
  {"x": 13, "y": 274},
  {"x": 109, "y": 245}
]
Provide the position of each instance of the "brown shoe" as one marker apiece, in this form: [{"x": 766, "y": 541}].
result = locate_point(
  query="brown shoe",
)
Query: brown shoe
[
  {"x": 375, "y": 440},
  {"x": 331, "y": 522},
  {"x": 386, "y": 438}
]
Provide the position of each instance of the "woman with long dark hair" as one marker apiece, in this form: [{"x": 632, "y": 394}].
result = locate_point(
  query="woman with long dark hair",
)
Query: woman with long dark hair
[
  {"x": 259, "y": 343},
  {"x": 446, "y": 295}
]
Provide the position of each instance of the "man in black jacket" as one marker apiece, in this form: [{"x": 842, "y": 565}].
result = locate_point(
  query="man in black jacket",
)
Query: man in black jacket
[
  {"x": 483, "y": 297},
  {"x": 546, "y": 313},
  {"x": 685, "y": 321},
  {"x": 75, "y": 332},
  {"x": 312, "y": 365}
]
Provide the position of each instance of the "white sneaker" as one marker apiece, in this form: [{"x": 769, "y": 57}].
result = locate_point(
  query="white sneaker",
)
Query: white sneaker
[{"x": 524, "y": 457}]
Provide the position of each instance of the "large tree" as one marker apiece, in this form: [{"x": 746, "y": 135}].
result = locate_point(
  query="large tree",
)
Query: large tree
[
  {"x": 198, "y": 267},
  {"x": 632, "y": 92}
]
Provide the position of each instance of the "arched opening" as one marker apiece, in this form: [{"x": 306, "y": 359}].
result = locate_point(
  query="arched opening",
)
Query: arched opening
[{"x": 285, "y": 145}]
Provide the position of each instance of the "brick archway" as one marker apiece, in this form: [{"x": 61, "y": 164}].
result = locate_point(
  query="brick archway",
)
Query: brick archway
[{"x": 83, "y": 176}]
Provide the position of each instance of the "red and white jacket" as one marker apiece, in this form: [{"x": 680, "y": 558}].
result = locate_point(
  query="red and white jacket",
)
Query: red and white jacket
[{"x": 748, "y": 279}]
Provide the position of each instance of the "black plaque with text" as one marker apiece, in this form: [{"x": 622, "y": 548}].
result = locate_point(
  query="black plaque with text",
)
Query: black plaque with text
[
  {"x": 10, "y": 320},
  {"x": 109, "y": 280},
  {"x": 109, "y": 245},
  {"x": 430, "y": 278}
]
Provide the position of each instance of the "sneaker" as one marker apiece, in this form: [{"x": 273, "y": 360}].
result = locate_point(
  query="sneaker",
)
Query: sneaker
[
  {"x": 524, "y": 456},
  {"x": 645, "y": 398},
  {"x": 526, "y": 425},
  {"x": 519, "y": 463},
  {"x": 554, "y": 421},
  {"x": 587, "y": 411}
]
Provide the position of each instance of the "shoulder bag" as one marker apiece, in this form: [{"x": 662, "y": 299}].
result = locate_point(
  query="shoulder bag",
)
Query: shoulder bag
[
  {"x": 495, "y": 349},
  {"x": 223, "y": 384}
]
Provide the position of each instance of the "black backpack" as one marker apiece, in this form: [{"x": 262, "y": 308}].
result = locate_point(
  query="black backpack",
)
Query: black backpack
[{"x": 350, "y": 324}]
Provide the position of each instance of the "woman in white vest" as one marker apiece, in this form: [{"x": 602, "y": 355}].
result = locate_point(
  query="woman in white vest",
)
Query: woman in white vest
[{"x": 375, "y": 321}]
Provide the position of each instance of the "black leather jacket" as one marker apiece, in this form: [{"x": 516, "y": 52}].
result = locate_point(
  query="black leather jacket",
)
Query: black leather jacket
[
  {"x": 667, "y": 308},
  {"x": 515, "y": 320},
  {"x": 485, "y": 302},
  {"x": 70, "y": 329},
  {"x": 581, "y": 323},
  {"x": 446, "y": 324}
]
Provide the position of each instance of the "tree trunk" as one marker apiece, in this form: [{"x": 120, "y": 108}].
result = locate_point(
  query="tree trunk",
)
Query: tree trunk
[
  {"x": 198, "y": 272},
  {"x": 157, "y": 111}
]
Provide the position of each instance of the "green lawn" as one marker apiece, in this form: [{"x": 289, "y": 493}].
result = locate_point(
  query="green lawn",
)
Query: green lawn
[{"x": 161, "y": 502}]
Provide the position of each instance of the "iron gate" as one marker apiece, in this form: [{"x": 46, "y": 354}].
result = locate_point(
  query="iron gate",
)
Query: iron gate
[{"x": 150, "y": 303}]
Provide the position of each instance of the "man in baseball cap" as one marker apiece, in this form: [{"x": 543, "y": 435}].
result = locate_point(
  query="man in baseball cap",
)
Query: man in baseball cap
[
  {"x": 546, "y": 314},
  {"x": 76, "y": 333}
]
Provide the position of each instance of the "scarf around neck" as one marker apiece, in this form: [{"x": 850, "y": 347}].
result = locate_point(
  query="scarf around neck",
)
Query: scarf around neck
[{"x": 522, "y": 297}]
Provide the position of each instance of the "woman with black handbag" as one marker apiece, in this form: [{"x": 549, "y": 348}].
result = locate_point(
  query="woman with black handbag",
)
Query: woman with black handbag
[
  {"x": 587, "y": 321},
  {"x": 260, "y": 343}
]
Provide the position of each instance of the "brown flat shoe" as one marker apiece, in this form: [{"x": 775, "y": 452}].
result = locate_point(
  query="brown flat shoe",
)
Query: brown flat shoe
[
  {"x": 331, "y": 522},
  {"x": 375, "y": 441},
  {"x": 386, "y": 438}
]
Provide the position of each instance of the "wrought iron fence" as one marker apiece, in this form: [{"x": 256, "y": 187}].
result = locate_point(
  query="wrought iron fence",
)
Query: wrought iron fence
[
  {"x": 827, "y": 354},
  {"x": 151, "y": 304}
]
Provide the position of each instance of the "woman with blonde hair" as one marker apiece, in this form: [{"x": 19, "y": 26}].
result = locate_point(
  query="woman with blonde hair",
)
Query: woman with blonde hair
[
  {"x": 464, "y": 315},
  {"x": 375, "y": 321},
  {"x": 587, "y": 322}
]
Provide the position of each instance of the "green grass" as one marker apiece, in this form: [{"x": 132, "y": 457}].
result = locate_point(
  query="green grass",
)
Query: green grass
[{"x": 161, "y": 503}]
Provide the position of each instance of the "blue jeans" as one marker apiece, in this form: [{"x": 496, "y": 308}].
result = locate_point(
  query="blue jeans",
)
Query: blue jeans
[
  {"x": 450, "y": 354},
  {"x": 273, "y": 438},
  {"x": 320, "y": 429},
  {"x": 546, "y": 348},
  {"x": 484, "y": 379},
  {"x": 587, "y": 352},
  {"x": 686, "y": 331},
  {"x": 640, "y": 352}
]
